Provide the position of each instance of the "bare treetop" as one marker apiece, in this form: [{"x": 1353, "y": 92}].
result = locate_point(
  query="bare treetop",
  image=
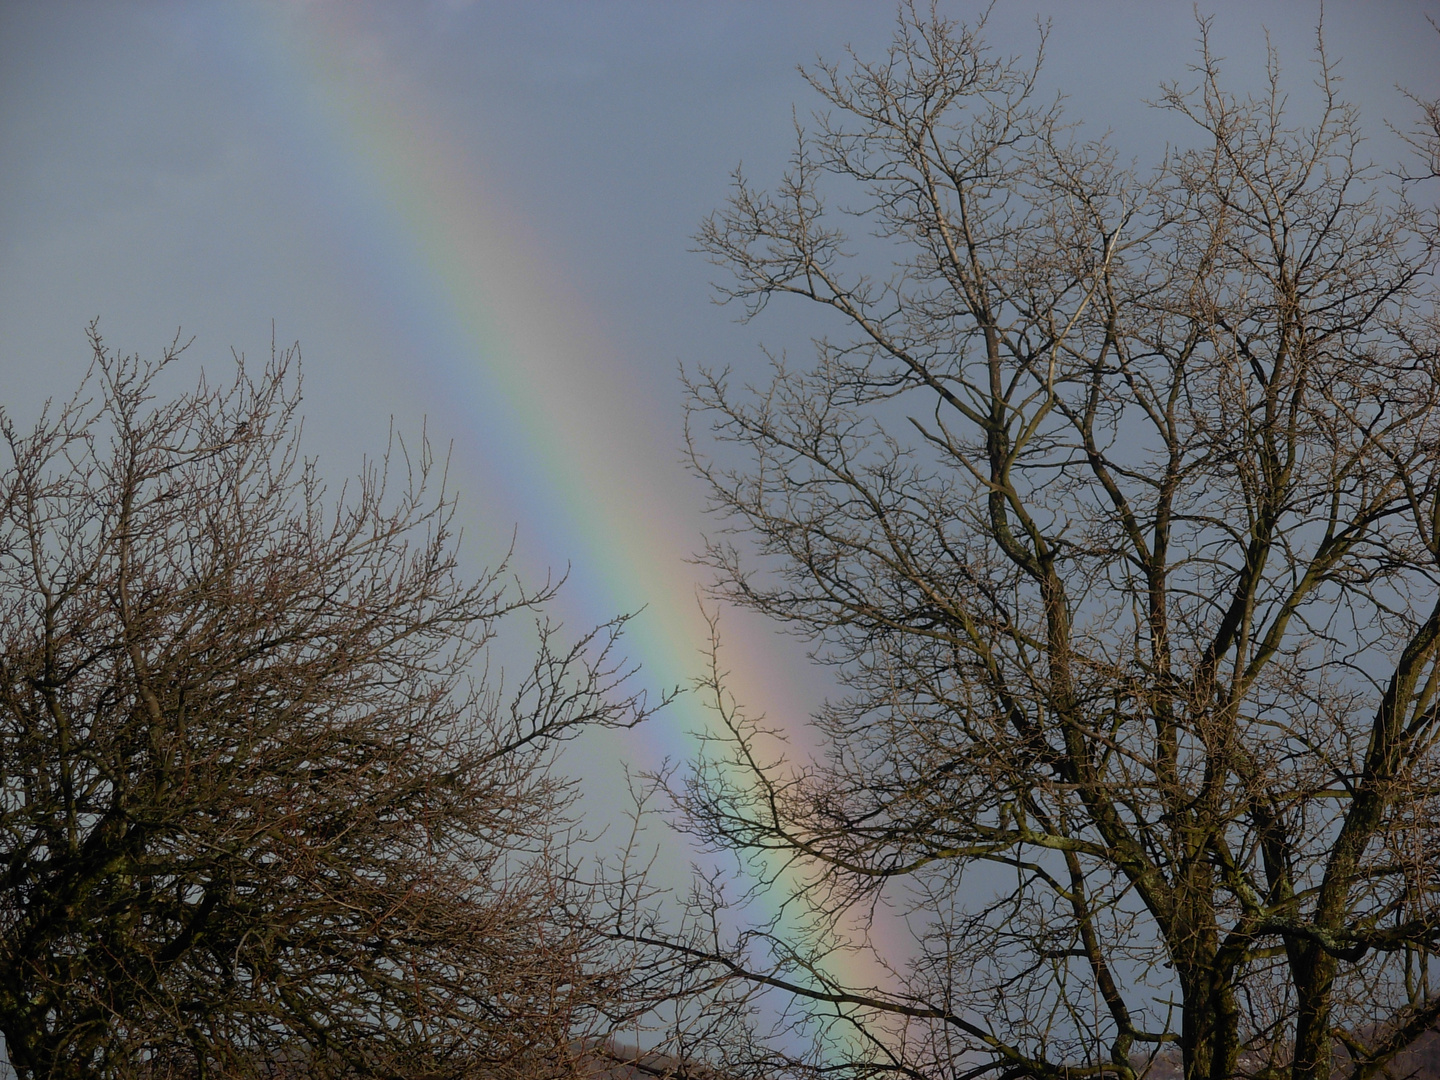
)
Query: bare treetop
[
  {"x": 1114, "y": 501},
  {"x": 260, "y": 811}
]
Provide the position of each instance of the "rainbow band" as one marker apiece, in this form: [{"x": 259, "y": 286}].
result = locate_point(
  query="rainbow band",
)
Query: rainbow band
[{"x": 509, "y": 348}]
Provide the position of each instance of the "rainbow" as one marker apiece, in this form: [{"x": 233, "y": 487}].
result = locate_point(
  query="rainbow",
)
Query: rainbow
[{"x": 510, "y": 347}]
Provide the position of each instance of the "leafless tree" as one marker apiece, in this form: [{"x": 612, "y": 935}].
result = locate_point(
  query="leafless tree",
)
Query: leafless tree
[
  {"x": 1114, "y": 505},
  {"x": 260, "y": 812}
]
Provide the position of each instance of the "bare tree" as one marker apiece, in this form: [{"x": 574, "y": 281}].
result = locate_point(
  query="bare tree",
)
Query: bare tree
[
  {"x": 260, "y": 813},
  {"x": 1114, "y": 505}
]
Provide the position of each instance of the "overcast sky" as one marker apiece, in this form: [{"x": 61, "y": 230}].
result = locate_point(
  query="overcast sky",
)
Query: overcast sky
[{"x": 503, "y": 249}]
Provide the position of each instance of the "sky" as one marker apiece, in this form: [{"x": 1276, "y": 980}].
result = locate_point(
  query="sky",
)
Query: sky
[{"x": 477, "y": 218}]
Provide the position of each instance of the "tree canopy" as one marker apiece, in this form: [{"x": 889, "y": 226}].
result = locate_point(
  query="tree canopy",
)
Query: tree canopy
[
  {"x": 1112, "y": 499},
  {"x": 261, "y": 812}
]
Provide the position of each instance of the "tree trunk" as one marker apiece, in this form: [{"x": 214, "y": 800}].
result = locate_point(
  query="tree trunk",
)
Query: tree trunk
[
  {"x": 1312, "y": 1020},
  {"x": 1210, "y": 1032}
]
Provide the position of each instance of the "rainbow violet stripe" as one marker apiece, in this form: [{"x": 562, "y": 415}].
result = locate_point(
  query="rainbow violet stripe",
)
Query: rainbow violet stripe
[{"x": 507, "y": 346}]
